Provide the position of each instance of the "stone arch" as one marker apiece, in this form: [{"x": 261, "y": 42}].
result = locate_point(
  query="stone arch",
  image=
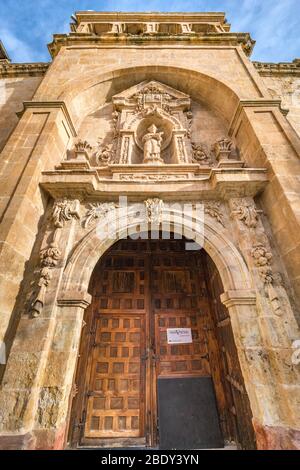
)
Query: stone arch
[
  {"x": 87, "y": 95},
  {"x": 229, "y": 262},
  {"x": 239, "y": 295}
]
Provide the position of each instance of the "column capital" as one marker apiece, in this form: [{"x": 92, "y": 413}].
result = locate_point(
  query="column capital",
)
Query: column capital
[
  {"x": 75, "y": 299},
  {"x": 232, "y": 298}
]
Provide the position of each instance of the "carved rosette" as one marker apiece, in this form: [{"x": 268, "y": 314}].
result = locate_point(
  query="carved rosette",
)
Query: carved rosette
[
  {"x": 200, "y": 154},
  {"x": 105, "y": 155},
  {"x": 63, "y": 211}
]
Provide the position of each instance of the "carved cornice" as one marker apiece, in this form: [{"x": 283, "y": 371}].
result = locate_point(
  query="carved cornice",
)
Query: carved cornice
[
  {"x": 166, "y": 17},
  {"x": 257, "y": 103},
  {"x": 50, "y": 104},
  {"x": 282, "y": 68},
  {"x": 118, "y": 40},
  {"x": 194, "y": 181},
  {"x": 8, "y": 69}
]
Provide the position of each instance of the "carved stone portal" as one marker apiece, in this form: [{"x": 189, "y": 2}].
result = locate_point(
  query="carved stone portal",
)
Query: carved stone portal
[{"x": 153, "y": 126}]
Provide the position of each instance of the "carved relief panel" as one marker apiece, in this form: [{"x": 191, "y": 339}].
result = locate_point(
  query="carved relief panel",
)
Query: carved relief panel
[{"x": 152, "y": 126}]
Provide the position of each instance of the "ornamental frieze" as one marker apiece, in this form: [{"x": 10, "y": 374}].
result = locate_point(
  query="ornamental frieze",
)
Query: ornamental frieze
[
  {"x": 63, "y": 211},
  {"x": 245, "y": 211}
]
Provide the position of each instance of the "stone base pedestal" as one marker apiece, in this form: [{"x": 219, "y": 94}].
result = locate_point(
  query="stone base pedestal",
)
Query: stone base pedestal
[
  {"x": 42, "y": 439},
  {"x": 276, "y": 437}
]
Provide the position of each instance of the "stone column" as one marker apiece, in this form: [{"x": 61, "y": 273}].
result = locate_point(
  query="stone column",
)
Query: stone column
[
  {"x": 24, "y": 387},
  {"x": 257, "y": 375},
  {"x": 50, "y": 428},
  {"x": 266, "y": 139},
  {"x": 126, "y": 147},
  {"x": 179, "y": 146},
  {"x": 37, "y": 144},
  {"x": 270, "y": 362}
]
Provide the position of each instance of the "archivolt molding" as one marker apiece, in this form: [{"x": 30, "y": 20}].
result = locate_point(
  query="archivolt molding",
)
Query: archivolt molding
[
  {"x": 232, "y": 268},
  {"x": 94, "y": 90}
]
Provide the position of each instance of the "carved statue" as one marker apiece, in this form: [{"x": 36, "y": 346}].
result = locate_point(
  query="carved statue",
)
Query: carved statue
[{"x": 152, "y": 145}]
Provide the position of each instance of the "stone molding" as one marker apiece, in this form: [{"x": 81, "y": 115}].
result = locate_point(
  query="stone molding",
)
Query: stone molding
[
  {"x": 167, "y": 17},
  {"x": 257, "y": 103},
  {"x": 38, "y": 69},
  {"x": 75, "y": 299},
  {"x": 207, "y": 183},
  {"x": 195, "y": 39},
  {"x": 266, "y": 69},
  {"x": 232, "y": 298},
  {"x": 50, "y": 104}
]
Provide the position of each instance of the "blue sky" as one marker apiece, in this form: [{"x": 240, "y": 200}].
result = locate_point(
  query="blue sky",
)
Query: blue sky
[{"x": 29, "y": 24}]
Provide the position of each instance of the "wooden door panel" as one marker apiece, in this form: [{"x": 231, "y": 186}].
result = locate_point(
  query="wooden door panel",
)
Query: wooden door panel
[
  {"x": 115, "y": 406},
  {"x": 179, "y": 301},
  {"x": 140, "y": 289},
  {"x": 181, "y": 359}
]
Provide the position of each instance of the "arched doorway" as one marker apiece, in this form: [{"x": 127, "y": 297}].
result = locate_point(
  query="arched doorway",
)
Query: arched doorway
[{"x": 158, "y": 365}]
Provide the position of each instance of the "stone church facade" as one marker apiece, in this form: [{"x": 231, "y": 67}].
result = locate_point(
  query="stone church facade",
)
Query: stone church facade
[{"x": 148, "y": 121}]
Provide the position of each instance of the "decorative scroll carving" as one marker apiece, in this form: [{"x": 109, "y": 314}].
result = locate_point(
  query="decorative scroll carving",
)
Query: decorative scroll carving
[
  {"x": 153, "y": 93},
  {"x": 213, "y": 209},
  {"x": 189, "y": 117},
  {"x": 262, "y": 260},
  {"x": 97, "y": 211},
  {"x": 105, "y": 155},
  {"x": 199, "y": 154},
  {"x": 154, "y": 208},
  {"x": 50, "y": 256},
  {"x": 246, "y": 212},
  {"x": 115, "y": 119},
  {"x": 63, "y": 210}
]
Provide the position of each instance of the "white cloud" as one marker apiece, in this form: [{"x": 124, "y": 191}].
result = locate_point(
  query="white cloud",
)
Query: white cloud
[
  {"x": 18, "y": 49},
  {"x": 272, "y": 23}
]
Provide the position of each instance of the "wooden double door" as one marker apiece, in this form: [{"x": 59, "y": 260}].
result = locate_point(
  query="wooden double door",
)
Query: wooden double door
[{"x": 145, "y": 294}]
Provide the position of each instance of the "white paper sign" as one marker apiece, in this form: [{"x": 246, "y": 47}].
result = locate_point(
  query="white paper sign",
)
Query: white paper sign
[{"x": 179, "y": 335}]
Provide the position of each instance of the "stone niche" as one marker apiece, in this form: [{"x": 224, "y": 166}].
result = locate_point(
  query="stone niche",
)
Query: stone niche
[{"x": 151, "y": 125}]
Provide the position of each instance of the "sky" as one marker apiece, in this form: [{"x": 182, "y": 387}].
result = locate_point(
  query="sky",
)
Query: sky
[{"x": 27, "y": 26}]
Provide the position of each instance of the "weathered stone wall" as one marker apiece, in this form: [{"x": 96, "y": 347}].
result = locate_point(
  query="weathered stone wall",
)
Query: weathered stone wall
[
  {"x": 13, "y": 91},
  {"x": 206, "y": 126},
  {"x": 229, "y": 99},
  {"x": 287, "y": 88}
]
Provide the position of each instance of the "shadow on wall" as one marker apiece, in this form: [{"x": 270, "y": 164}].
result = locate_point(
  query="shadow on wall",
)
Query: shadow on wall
[{"x": 13, "y": 91}]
